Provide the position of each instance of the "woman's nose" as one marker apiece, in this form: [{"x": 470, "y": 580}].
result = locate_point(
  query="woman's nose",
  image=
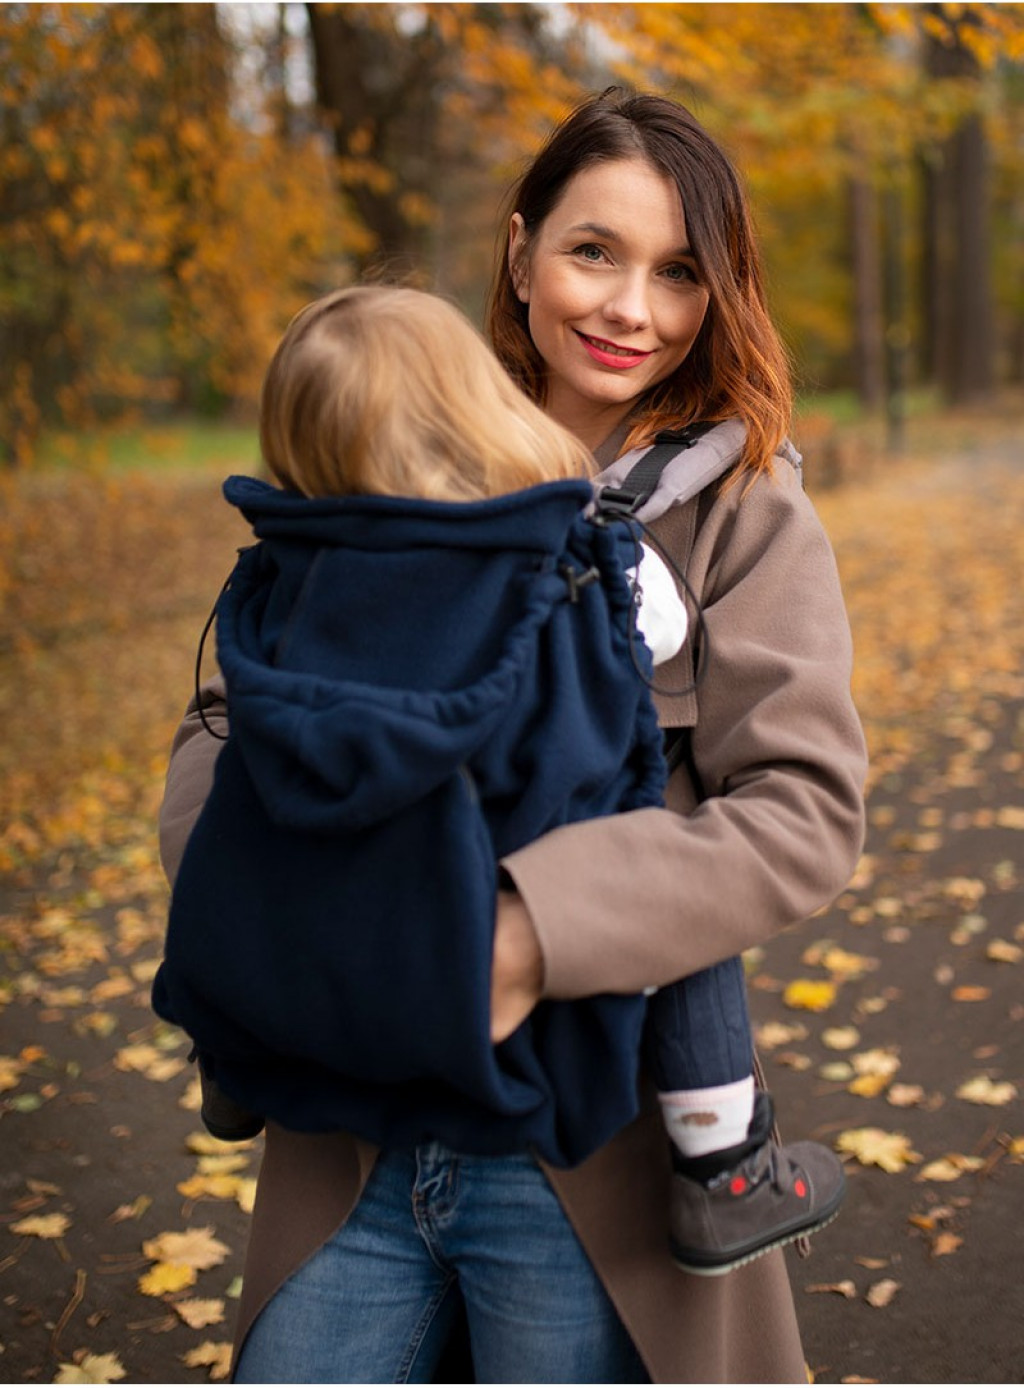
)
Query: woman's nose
[{"x": 629, "y": 304}]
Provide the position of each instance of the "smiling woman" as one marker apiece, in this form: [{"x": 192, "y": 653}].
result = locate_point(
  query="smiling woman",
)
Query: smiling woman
[
  {"x": 614, "y": 296},
  {"x": 628, "y": 301}
]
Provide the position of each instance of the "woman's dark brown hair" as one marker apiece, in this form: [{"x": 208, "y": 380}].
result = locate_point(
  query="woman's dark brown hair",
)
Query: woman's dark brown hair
[{"x": 737, "y": 368}]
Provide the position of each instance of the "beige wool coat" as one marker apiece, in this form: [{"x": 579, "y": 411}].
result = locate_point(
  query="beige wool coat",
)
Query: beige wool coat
[{"x": 645, "y": 898}]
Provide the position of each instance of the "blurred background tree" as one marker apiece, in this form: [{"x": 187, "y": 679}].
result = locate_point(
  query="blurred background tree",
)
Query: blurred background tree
[{"x": 176, "y": 180}]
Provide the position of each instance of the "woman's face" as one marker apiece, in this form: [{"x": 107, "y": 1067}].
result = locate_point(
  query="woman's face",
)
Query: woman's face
[{"x": 614, "y": 300}]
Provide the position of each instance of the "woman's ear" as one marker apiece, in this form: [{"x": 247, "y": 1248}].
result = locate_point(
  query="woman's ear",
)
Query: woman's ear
[{"x": 518, "y": 261}]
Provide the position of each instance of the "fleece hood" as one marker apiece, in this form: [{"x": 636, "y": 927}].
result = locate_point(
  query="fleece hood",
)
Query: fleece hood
[{"x": 454, "y": 594}]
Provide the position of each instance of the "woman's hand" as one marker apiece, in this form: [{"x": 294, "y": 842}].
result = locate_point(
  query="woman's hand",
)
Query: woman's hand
[{"x": 517, "y": 977}]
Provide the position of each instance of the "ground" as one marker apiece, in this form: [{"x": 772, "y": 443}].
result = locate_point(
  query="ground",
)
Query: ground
[{"x": 890, "y": 1024}]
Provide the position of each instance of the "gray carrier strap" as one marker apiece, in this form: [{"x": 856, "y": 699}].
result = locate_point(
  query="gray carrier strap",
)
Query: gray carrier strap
[{"x": 646, "y": 482}]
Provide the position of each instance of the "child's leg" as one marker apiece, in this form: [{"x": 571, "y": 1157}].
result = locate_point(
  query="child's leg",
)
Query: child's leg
[
  {"x": 735, "y": 1193},
  {"x": 700, "y": 1050}
]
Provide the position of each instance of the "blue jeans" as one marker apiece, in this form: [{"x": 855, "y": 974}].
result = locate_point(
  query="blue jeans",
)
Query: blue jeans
[{"x": 376, "y": 1303}]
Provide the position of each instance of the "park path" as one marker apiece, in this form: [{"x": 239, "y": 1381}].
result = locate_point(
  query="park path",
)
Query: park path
[{"x": 921, "y": 962}]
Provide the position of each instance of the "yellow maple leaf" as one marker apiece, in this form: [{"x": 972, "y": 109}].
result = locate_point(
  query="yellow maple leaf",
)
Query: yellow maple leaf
[
  {"x": 875, "y": 1147},
  {"x": 879, "y": 1061},
  {"x": 812, "y": 995},
  {"x": 202, "y": 1144},
  {"x": 948, "y": 1168},
  {"x": 49, "y": 1226},
  {"x": 982, "y": 1090},
  {"x": 215, "y": 1356},
  {"x": 1010, "y": 817},
  {"x": 198, "y": 1314},
  {"x": 218, "y": 1186},
  {"x": 196, "y": 1248},
  {"x": 868, "y": 1086},
  {"x": 246, "y": 1197},
  {"x": 93, "y": 1368},
  {"x": 167, "y": 1277},
  {"x": 222, "y": 1164}
]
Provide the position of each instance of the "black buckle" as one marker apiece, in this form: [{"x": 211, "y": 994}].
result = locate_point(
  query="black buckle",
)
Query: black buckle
[
  {"x": 618, "y": 502},
  {"x": 685, "y": 436}
]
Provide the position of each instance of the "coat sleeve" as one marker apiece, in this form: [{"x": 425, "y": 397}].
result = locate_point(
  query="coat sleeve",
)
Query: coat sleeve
[
  {"x": 190, "y": 773},
  {"x": 647, "y": 897}
]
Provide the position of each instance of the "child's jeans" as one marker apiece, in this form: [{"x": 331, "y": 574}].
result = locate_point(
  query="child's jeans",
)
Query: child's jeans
[{"x": 698, "y": 1030}]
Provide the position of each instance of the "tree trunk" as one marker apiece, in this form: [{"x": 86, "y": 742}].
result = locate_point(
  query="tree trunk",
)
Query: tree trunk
[
  {"x": 957, "y": 292},
  {"x": 380, "y": 91},
  {"x": 867, "y": 278}
]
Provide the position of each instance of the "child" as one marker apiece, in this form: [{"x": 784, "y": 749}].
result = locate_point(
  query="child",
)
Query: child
[{"x": 429, "y": 663}]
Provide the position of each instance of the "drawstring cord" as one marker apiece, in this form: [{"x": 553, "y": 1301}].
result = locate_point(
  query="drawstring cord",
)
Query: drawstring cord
[
  {"x": 701, "y": 641},
  {"x": 208, "y": 726}
]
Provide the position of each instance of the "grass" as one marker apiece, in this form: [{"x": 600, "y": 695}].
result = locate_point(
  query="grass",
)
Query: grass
[{"x": 180, "y": 445}]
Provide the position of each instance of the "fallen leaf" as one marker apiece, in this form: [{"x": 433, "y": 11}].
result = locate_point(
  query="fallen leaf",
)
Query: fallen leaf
[
  {"x": 949, "y": 1168},
  {"x": 199, "y": 1314},
  {"x": 845, "y": 1288},
  {"x": 879, "y": 1061},
  {"x": 11, "y": 1071},
  {"x": 223, "y": 1164},
  {"x": 49, "y": 1226},
  {"x": 135, "y": 1210},
  {"x": 868, "y": 1086},
  {"x": 1004, "y": 952},
  {"x": 812, "y": 995},
  {"x": 246, "y": 1197},
  {"x": 873, "y": 1264},
  {"x": 881, "y": 1293},
  {"x": 216, "y": 1187},
  {"x": 215, "y": 1356},
  {"x": 971, "y": 993},
  {"x": 945, "y": 1243},
  {"x": 875, "y": 1147},
  {"x": 837, "y": 1071},
  {"x": 93, "y": 1368},
  {"x": 840, "y": 1038},
  {"x": 1010, "y": 817},
  {"x": 202, "y": 1144},
  {"x": 167, "y": 1277},
  {"x": 196, "y": 1248},
  {"x": 773, "y": 1034},
  {"x": 905, "y": 1095},
  {"x": 982, "y": 1090}
]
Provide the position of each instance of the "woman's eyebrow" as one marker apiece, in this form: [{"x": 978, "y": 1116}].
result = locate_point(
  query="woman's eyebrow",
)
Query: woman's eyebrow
[{"x": 610, "y": 234}]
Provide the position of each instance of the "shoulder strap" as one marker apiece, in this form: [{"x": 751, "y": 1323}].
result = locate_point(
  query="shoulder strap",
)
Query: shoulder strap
[{"x": 640, "y": 483}]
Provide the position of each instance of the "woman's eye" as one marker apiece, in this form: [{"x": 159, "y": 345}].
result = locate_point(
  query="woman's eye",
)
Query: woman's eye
[
  {"x": 590, "y": 252},
  {"x": 679, "y": 273}
]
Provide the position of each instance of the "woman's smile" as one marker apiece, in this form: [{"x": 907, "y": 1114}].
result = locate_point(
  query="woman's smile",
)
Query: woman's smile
[
  {"x": 611, "y": 354},
  {"x": 613, "y": 289}
]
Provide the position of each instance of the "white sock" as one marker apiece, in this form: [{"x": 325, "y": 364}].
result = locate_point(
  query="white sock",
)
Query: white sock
[{"x": 700, "y": 1121}]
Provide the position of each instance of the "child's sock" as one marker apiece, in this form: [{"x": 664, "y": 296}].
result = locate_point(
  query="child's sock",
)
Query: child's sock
[{"x": 700, "y": 1121}]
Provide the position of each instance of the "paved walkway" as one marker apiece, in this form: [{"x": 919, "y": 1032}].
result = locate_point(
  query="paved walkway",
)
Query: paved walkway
[{"x": 91, "y": 1126}]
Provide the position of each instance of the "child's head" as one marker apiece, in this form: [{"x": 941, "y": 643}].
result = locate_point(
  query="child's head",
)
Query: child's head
[{"x": 389, "y": 391}]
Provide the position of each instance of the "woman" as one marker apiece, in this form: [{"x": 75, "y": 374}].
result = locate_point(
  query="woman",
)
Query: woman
[{"x": 628, "y": 301}]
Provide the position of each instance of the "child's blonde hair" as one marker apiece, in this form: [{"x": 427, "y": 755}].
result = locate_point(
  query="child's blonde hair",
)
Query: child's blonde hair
[{"x": 389, "y": 391}]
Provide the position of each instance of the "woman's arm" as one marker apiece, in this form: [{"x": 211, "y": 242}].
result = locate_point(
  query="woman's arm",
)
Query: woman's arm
[{"x": 644, "y": 898}]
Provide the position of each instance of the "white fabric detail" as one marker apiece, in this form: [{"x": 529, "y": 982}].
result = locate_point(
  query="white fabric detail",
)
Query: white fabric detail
[
  {"x": 700, "y": 1121},
  {"x": 661, "y": 614}
]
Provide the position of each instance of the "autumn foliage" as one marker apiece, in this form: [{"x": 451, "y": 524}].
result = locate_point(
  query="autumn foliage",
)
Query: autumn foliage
[{"x": 171, "y": 192}]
